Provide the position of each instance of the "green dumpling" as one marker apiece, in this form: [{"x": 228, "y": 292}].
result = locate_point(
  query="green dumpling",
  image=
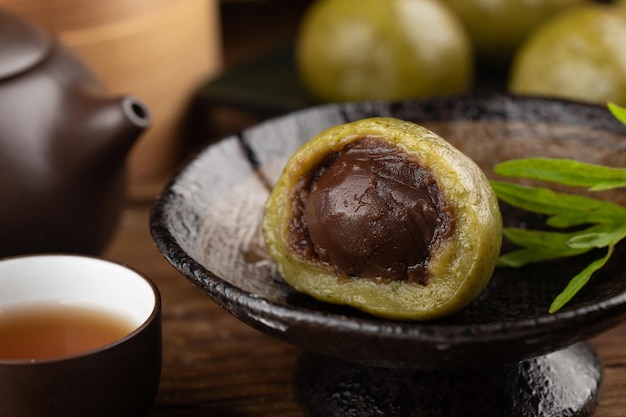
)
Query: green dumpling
[{"x": 387, "y": 217}]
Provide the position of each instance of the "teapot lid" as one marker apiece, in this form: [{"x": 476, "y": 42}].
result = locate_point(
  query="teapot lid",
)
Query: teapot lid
[{"x": 22, "y": 44}]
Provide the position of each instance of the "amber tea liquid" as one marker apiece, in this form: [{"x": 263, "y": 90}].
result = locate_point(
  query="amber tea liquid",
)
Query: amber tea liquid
[{"x": 48, "y": 331}]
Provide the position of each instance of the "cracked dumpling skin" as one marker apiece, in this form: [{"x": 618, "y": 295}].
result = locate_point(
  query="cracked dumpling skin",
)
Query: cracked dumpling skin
[{"x": 387, "y": 217}]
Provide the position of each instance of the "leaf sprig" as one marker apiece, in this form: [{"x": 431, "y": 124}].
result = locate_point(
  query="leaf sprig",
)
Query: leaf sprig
[{"x": 602, "y": 224}]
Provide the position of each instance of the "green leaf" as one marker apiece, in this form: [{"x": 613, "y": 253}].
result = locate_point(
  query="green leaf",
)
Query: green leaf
[
  {"x": 566, "y": 209},
  {"x": 618, "y": 112},
  {"x": 541, "y": 239},
  {"x": 564, "y": 220},
  {"x": 539, "y": 246},
  {"x": 521, "y": 257},
  {"x": 578, "y": 282},
  {"x": 564, "y": 171},
  {"x": 597, "y": 239}
]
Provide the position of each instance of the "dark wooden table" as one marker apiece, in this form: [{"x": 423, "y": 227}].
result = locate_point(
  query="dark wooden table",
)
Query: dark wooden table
[{"x": 214, "y": 365}]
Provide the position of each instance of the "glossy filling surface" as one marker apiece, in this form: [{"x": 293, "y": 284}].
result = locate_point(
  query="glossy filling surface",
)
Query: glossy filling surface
[{"x": 370, "y": 211}]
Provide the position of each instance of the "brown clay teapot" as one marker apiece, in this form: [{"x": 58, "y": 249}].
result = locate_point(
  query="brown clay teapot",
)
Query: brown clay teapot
[{"x": 63, "y": 146}]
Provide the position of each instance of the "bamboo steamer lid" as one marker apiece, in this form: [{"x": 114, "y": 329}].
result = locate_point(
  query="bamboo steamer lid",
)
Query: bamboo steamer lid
[{"x": 159, "y": 50}]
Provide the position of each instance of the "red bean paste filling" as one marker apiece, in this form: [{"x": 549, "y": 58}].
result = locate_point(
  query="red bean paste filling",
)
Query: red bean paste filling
[{"x": 370, "y": 211}]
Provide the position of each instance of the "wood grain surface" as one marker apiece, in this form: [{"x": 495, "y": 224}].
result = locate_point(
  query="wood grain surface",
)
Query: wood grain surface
[{"x": 214, "y": 365}]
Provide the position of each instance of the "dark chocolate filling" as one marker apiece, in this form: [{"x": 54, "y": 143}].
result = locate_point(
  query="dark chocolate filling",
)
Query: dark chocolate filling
[{"x": 370, "y": 211}]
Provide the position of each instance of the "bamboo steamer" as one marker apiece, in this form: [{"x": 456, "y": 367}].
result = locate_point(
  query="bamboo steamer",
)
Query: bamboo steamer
[{"x": 159, "y": 50}]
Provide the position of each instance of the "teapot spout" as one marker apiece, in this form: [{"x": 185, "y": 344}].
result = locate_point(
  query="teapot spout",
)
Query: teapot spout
[
  {"x": 102, "y": 132},
  {"x": 136, "y": 112},
  {"x": 119, "y": 122}
]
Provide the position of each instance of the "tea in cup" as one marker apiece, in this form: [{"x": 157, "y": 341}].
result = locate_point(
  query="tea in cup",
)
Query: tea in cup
[{"x": 79, "y": 336}]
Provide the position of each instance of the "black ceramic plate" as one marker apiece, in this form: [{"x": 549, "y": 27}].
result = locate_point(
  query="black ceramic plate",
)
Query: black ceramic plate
[{"x": 206, "y": 223}]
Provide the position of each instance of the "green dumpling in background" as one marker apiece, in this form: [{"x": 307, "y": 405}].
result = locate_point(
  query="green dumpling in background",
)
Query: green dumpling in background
[
  {"x": 498, "y": 27},
  {"x": 579, "y": 55},
  {"x": 350, "y": 50}
]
